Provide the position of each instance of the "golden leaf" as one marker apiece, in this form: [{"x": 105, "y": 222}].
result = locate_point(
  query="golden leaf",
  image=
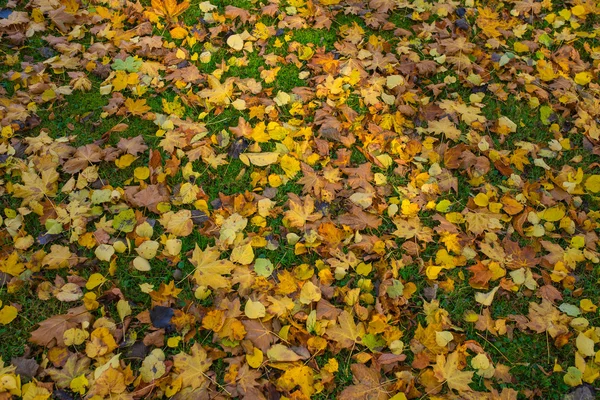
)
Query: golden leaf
[
  {"x": 446, "y": 370},
  {"x": 192, "y": 367},
  {"x": 169, "y": 9},
  {"x": 210, "y": 270}
]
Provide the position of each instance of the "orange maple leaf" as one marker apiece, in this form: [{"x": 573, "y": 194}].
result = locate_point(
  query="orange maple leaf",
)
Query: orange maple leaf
[{"x": 169, "y": 9}]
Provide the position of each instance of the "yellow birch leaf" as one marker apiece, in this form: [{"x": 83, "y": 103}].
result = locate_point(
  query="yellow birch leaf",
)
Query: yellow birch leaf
[
  {"x": 486, "y": 298},
  {"x": 8, "y": 314},
  {"x": 585, "y": 345},
  {"x": 141, "y": 173},
  {"x": 309, "y": 293},
  {"x": 242, "y": 254},
  {"x": 123, "y": 308},
  {"x": 178, "y": 32},
  {"x": 573, "y": 377},
  {"x": 125, "y": 161},
  {"x": 433, "y": 272},
  {"x": 552, "y": 214},
  {"x": 174, "y": 341},
  {"x": 587, "y": 305},
  {"x": 255, "y": 359},
  {"x": 235, "y": 42},
  {"x": 147, "y": 249},
  {"x": 443, "y": 338},
  {"x": 259, "y": 159},
  {"x": 480, "y": 361},
  {"x": 254, "y": 309},
  {"x": 290, "y": 166},
  {"x": 579, "y": 11},
  {"x": 173, "y": 247},
  {"x": 583, "y": 78},
  {"x": 281, "y": 353},
  {"x": 104, "y": 252},
  {"x": 94, "y": 281},
  {"x": 153, "y": 366},
  {"x": 592, "y": 183},
  {"x": 75, "y": 336},
  {"x": 141, "y": 264}
]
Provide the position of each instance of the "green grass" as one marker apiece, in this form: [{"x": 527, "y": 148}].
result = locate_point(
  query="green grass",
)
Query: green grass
[
  {"x": 33, "y": 310},
  {"x": 317, "y": 37},
  {"x": 287, "y": 79},
  {"x": 342, "y": 378}
]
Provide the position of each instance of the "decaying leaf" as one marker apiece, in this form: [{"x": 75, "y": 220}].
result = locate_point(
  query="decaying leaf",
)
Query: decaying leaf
[{"x": 217, "y": 200}]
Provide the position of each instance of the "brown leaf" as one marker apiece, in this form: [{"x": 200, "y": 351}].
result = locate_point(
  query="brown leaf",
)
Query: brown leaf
[
  {"x": 259, "y": 333},
  {"x": 61, "y": 18},
  {"x": 366, "y": 385},
  {"x": 50, "y": 331},
  {"x": 133, "y": 146},
  {"x": 359, "y": 219},
  {"x": 25, "y": 366}
]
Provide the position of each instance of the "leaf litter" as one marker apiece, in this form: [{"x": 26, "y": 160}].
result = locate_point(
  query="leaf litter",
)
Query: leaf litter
[{"x": 419, "y": 191}]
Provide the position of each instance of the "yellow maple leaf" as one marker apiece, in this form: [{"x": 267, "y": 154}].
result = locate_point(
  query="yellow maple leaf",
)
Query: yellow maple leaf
[
  {"x": 269, "y": 75},
  {"x": 11, "y": 265},
  {"x": 477, "y": 222},
  {"x": 209, "y": 269},
  {"x": 346, "y": 332},
  {"x": 446, "y": 371},
  {"x": 191, "y": 367},
  {"x": 179, "y": 223},
  {"x": 290, "y": 165},
  {"x": 35, "y": 187},
  {"x": 59, "y": 257},
  {"x": 299, "y": 213},
  {"x": 218, "y": 93},
  {"x": 298, "y": 376},
  {"x": 137, "y": 107}
]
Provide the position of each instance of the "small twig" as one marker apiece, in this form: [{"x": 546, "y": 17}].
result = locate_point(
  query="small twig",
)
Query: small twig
[
  {"x": 216, "y": 383},
  {"x": 432, "y": 390},
  {"x": 497, "y": 349},
  {"x": 548, "y": 347},
  {"x": 215, "y": 122}
]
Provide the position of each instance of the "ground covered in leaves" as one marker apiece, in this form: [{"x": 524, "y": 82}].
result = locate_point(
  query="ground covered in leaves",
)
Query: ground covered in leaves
[{"x": 269, "y": 199}]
